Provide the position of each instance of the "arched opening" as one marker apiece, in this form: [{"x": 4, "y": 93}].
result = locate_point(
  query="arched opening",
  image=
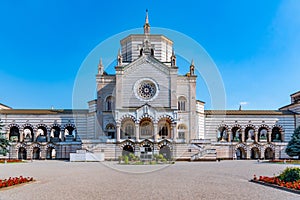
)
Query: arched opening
[
  {"x": 28, "y": 134},
  {"x": 236, "y": 134},
  {"x": 146, "y": 152},
  {"x": 276, "y": 135},
  {"x": 70, "y": 133},
  {"x": 165, "y": 151},
  {"x": 109, "y": 103},
  {"x": 128, "y": 129},
  {"x": 164, "y": 128},
  {"x": 146, "y": 128},
  {"x": 181, "y": 132},
  {"x": 41, "y": 134},
  {"x": 255, "y": 153},
  {"x": 127, "y": 149},
  {"x": 249, "y": 134},
  {"x": 36, "y": 153},
  {"x": 240, "y": 153},
  {"x": 54, "y": 134},
  {"x": 262, "y": 134},
  {"x": 111, "y": 131},
  {"x": 222, "y": 134},
  {"x": 51, "y": 153},
  {"x": 182, "y": 103},
  {"x": 269, "y": 153},
  {"x": 14, "y": 134},
  {"x": 22, "y": 153}
]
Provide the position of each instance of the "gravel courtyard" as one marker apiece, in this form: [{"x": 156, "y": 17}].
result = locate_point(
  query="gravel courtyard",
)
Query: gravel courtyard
[{"x": 108, "y": 180}]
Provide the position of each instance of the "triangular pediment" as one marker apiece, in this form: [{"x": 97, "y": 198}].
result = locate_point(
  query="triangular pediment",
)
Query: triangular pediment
[
  {"x": 145, "y": 110},
  {"x": 145, "y": 60}
]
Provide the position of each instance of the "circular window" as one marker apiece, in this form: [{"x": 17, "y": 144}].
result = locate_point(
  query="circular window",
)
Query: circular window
[{"x": 145, "y": 89}]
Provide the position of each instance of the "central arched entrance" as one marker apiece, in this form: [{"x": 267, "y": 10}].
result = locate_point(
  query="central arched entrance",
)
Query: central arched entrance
[{"x": 22, "y": 153}]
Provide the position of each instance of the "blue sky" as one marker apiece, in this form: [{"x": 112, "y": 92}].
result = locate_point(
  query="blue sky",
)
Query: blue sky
[{"x": 255, "y": 45}]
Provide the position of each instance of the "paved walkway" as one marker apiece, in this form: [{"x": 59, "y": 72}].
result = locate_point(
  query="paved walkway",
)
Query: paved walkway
[{"x": 183, "y": 180}]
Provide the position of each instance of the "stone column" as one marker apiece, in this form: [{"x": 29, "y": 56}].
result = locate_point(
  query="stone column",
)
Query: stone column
[
  {"x": 34, "y": 135},
  {"x": 62, "y": 135},
  {"x": 229, "y": 136},
  {"x": 155, "y": 132},
  {"x": 269, "y": 136},
  {"x": 118, "y": 132},
  {"x": 21, "y": 136},
  {"x": 137, "y": 132},
  {"x": 243, "y": 136},
  {"x": 173, "y": 131},
  {"x": 256, "y": 136}
]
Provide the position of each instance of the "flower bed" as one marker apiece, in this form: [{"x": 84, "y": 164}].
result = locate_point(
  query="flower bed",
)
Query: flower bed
[
  {"x": 11, "y": 161},
  {"x": 288, "y": 180},
  {"x": 284, "y": 161},
  {"x": 14, "y": 181}
]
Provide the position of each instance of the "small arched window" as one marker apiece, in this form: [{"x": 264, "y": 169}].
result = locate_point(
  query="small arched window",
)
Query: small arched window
[
  {"x": 110, "y": 128},
  {"x": 109, "y": 103},
  {"x": 182, "y": 104},
  {"x": 181, "y": 131}
]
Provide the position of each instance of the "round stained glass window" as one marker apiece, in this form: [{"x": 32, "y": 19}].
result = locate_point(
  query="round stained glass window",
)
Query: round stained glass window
[{"x": 145, "y": 89}]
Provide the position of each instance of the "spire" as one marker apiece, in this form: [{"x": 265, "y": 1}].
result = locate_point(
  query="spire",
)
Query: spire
[
  {"x": 100, "y": 67},
  {"x": 147, "y": 25},
  {"x": 120, "y": 60},
  {"x": 173, "y": 58},
  {"x": 192, "y": 68}
]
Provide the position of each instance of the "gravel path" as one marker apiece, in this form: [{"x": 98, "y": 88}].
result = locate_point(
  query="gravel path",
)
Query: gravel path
[{"x": 183, "y": 180}]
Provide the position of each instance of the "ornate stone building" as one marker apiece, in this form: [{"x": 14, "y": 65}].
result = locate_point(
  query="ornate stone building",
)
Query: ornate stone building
[{"x": 147, "y": 108}]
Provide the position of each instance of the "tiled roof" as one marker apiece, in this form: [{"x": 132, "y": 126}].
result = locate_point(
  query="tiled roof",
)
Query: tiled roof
[
  {"x": 43, "y": 111},
  {"x": 248, "y": 112}
]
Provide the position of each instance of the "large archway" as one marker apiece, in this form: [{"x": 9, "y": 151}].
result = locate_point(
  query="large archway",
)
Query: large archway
[
  {"x": 127, "y": 129},
  {"x": 240, "y": 153},
  {"x": 164, "y": 128},
  {"x": 249, "y": 133},
  {"x": 36, "y": 151},
  {"x": 222, "y": 134},
  {"x": 41, "y": 134},
  {"x": 55, "y": 133},
  {"x": 22, "y": 153},
  {"x": 262, "y": 134},
  {"x": 166, "y": 152},
  {"x": 146, "y": 128},
  {"x": 14, "y": 134},
  {"x": 255, "y": 154},
  {"x": 70, "y": 132},
  {"x": 51, "y": 153},
  {"x": 276, "y": 135},
  {"x": 236, "y": 134},
  {"x": 28, "y": 133},
  {"x": 269, "y": 153},
  {"x": 127, "y": 149}
]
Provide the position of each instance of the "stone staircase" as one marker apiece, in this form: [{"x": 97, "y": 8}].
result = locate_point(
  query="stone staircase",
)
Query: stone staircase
[{"x": 205, "y": 151}]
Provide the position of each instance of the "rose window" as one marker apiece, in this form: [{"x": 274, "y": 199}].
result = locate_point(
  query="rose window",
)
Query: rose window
[{"x": 146, "y": 90}]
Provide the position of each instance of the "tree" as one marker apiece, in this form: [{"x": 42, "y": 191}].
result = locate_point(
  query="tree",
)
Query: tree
[
  {"x": 293, "y": 147},
  {"x": 4, "y": 142}
]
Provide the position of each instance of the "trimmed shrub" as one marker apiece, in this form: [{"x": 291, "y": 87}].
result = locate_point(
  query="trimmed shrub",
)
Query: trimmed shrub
[{"x": 290, "y": 174}]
